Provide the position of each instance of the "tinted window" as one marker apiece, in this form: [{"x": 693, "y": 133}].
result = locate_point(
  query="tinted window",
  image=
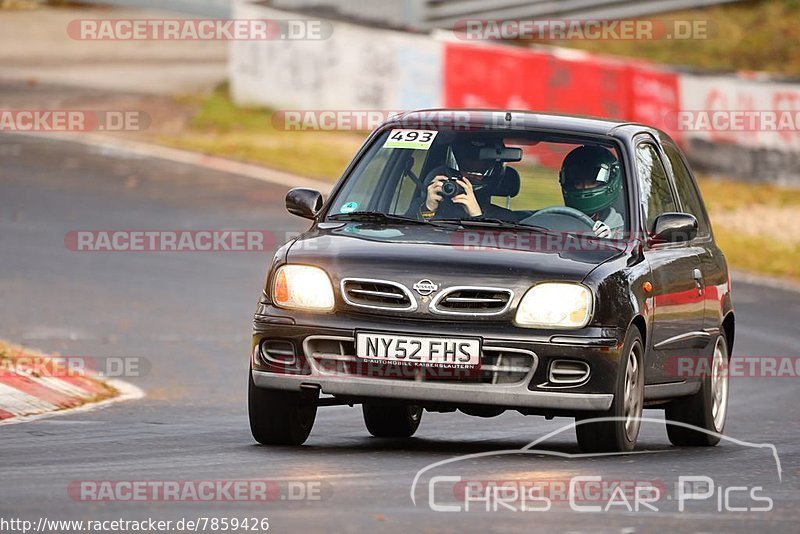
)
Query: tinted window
[
  {"x": 687, "y": 191},
  {"x": 656, "y": 193}
]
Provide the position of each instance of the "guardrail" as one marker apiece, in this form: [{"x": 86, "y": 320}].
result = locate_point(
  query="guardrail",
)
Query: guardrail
[{"x": 430, "y": 14}]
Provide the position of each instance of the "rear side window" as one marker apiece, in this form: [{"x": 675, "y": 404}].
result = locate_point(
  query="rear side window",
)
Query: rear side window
[
  {"x": 656, "y": 192},
  {"x": 687, "y": 190}
]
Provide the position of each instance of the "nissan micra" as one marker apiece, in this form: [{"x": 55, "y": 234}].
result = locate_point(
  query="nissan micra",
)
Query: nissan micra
[{"x": 485, "y": 261}]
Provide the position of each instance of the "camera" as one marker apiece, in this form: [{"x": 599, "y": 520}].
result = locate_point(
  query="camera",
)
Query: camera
[{"x": 451, "y": 188}]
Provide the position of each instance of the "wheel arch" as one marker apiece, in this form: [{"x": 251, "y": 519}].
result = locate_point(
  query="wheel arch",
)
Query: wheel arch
[
  {"x": 729, "y": 329},
  {"x": 639, "y": 322}
]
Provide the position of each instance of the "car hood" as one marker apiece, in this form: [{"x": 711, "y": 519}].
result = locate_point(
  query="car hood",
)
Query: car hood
[{"x": 448, "y": 257}]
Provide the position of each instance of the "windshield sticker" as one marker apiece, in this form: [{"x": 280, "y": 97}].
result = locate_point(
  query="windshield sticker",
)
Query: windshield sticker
[
  {"x": 414, "y": 139},
  {"x": 349, "y": 207}
]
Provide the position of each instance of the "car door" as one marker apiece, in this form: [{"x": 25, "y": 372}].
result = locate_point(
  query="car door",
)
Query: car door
[
  {"x": 676, "y": 299},
  {"x": 712, "y": 261}
]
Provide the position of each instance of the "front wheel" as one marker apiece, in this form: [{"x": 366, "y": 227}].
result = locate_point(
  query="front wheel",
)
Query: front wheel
[
  {"x": 619, "y": 433},
  {"x": 391, "y": 419},
  {"x": 279, "y": 417},
  {"x": 707, "y": 409}
]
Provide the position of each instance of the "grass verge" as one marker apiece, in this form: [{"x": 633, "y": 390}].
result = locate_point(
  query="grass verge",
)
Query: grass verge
[
  {"x": 758, "y": 35},
  {"x": 752, "y": 226},
  {"x": 220, "y": 128}
]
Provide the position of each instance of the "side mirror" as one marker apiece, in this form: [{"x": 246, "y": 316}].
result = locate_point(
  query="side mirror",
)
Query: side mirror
[
  {"x": 674, "y": 228},
  {"x": 303, "y": 202}
]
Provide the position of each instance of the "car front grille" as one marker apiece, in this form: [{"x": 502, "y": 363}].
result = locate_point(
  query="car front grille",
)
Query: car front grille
[
  {"x": 377, "y": 294},
  {"x": 335, "y": 356},
  {"x": 472, "y": 301}
]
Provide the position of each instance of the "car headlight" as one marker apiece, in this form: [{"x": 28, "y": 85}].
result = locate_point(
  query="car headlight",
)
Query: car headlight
[
  {"x": 302, "y": 287},
  {"x": 555, "y": 305}
]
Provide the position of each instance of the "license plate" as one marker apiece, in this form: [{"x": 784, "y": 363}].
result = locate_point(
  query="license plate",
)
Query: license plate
[{"x": 419, "y": 350}]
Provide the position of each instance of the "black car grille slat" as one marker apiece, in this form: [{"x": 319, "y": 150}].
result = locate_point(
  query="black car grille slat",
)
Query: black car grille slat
[
  {"x": 376, "y": 294},
  {"x": 474, "y": 301}
]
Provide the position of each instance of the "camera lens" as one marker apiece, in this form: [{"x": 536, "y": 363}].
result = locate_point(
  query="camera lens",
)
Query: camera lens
[{"x": 449, "y": 189}]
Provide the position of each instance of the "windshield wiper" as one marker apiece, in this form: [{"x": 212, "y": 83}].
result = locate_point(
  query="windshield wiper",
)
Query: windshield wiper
[
  {"x": 374, "y": 216},
  {"x": 488, "y": 222}
]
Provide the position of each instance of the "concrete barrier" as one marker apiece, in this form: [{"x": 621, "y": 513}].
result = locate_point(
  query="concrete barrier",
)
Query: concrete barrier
[{"x": 356, "y": 68}]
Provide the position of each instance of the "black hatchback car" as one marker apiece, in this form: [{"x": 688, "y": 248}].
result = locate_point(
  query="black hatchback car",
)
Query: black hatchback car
[{"x": 485, "y": 261}]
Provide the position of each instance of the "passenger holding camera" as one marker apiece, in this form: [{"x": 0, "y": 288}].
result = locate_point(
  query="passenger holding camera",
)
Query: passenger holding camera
[
  {"x": 466, "y": 193},
  {"x": 466, "y": 199}
]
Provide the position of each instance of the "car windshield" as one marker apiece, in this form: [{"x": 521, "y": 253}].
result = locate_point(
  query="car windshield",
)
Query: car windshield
[{"x": 562, "y": 183}]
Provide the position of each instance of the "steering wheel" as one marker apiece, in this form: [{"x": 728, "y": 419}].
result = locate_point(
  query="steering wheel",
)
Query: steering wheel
[{"x": 555, "y": 212}]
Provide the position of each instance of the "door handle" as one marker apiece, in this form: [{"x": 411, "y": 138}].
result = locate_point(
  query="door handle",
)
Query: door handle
[{"x": 698, "y": 279}]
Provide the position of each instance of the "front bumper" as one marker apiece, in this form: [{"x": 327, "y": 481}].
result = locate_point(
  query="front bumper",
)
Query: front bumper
[
  {"x": 532, "y": 391},
  {"x": 467, "y": 394}
]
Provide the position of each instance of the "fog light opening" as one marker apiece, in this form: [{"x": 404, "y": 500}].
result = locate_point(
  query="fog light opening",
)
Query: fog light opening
[
  {"x": 278, "y": 352},
  {"x": 568, "y": 372}
]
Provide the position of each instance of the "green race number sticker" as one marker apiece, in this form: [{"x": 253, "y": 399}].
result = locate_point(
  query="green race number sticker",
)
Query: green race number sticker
[{"x": 414, "y": 139}]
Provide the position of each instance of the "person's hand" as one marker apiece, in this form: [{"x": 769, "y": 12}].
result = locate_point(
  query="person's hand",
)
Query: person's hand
[
  {"x": 601, "y": 229},
  {"x": 435, "y": 193},
  {"x": 467, "y": 198}
]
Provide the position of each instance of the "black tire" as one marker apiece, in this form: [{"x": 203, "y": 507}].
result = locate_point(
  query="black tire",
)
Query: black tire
[
  {"x": 279, "y": 417},
  {"x": 391, "y": 419},
  {"x": 699, "y": 409},
  {"x": 618, "y": 435}
]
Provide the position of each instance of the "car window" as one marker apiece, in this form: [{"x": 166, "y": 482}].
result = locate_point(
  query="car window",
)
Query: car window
[
  {"x": 370, "y": 173},
  {"x": 514, "y": 176},
  {"x": 655, "y": 189},
  {"x": 687, "y": 190},
  {"x": 538, "y": 172},
  {"x": 406, "y": 191}
]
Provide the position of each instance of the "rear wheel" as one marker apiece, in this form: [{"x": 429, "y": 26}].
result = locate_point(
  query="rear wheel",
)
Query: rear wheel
[
  {"x": 619, "y": 434},
  {"x": 279, "y": 417},
  {"x": 707, "y": 409},
  {"x": 391, "y": 419}
]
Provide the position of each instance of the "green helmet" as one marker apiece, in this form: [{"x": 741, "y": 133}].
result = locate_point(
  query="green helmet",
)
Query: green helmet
[{"x": 598, "y": 171}]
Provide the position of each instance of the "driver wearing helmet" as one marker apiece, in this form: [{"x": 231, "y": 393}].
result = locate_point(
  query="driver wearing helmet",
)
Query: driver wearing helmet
[
  {"x": 591, "y": 182},
  {"x": 477, "y": 176}
]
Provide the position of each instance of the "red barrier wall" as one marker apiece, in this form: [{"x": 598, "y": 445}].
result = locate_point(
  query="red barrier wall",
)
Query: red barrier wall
[{"x": 486, "y": 76}]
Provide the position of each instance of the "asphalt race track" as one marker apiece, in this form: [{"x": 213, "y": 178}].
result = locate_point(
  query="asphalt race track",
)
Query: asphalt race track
[{"x": 187, "y": 315}]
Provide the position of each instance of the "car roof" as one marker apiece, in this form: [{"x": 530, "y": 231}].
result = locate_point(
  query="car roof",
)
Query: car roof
[{"x": 525, "y": 119}]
